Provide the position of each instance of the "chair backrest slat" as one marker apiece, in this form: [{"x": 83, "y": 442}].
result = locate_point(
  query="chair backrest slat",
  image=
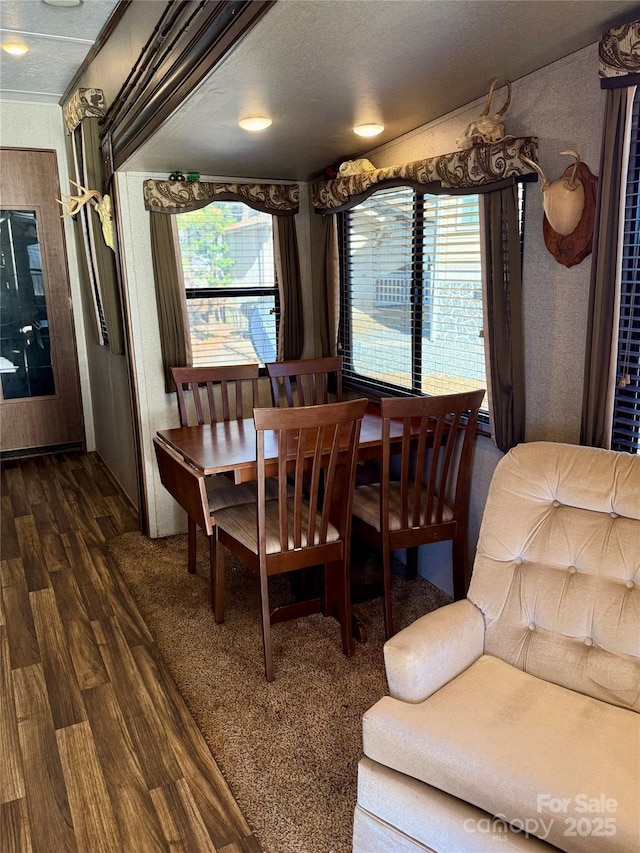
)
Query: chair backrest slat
[
  {"x": 435, "y": 456},
  {"x": 317, "y": 452},
  {"x": 222, "y": 387},
  {"x": 305, "y": 381}
]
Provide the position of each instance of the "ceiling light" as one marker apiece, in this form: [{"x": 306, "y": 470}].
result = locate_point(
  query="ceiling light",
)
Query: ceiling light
[
  {"x": 15, "y": 49},
  {"x": 368, "y": 129},
  {"x": 255, "y": 123},
  {"x": 62, "y": 2}
]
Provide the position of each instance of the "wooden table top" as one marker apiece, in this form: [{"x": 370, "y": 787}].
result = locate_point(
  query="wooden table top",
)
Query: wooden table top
[{"x": 230, "y": 446}]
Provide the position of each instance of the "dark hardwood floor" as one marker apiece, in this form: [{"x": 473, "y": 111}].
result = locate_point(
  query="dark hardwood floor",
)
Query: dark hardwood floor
[{"x": 98, "y": 752}]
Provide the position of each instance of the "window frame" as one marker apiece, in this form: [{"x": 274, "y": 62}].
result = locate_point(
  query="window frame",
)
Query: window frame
[
  {"x": 378, "y": 388},
  {"x": 235, "y": 292},
  {"x": 624, "y": 433}
]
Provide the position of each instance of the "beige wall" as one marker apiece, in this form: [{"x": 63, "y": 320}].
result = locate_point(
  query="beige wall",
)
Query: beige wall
[{"x": 563, "y": 105}]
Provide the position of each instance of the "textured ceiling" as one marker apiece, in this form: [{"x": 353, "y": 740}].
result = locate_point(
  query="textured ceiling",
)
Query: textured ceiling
[
  {"x": 58, "y": 39},
  {"x": 318, "y": 67}
]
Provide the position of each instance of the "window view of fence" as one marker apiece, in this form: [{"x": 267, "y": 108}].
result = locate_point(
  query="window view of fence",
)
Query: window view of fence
[
  {"x": 411, "y": 312},
  {"x": 230, "y": 282}
]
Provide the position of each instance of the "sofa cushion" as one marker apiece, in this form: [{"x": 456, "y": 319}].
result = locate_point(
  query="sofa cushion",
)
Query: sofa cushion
[
  {"x": 565, "y": 764},
  {"x": 390, "y": 816},
  {"x": 557, "y": 573}
]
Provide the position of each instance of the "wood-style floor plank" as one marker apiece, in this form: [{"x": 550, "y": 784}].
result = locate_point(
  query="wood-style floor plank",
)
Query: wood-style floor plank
[
  {"x": 99, "y": 753},
  {"x": 35, "y": 568},
  {"x": 21, "y": 632},
  {"x": 181, "y": 821},
  {"x": 14, "y": 827},
  {"x": 130, "y": 796},
  {"x": 50, "y": 821},
  {"x": 11, "y": 773},
  {"x": 9, "y": 545},
  {"x": 65, "y": 699},
  {"x": 192, "y": 752},
  {"x": 94, "y": 822}
]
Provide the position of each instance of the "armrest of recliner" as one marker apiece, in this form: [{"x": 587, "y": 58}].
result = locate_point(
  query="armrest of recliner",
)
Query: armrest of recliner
[{"x": 431, "y": 651}]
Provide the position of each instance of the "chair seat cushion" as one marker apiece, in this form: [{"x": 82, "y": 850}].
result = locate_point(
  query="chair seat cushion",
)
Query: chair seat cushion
[
  {"x": 522, "y": 748},
  {"x": 221, "y": 492},
  {"x": 241, "y": 523},
  {"x": 366, "y": 505}
]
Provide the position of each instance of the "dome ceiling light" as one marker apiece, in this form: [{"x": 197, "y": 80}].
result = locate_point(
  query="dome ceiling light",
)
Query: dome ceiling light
[
  {"x": 368, "y": 129},
  {"x": 15, "y": 48},
  {"x": 255, "y": 123}
]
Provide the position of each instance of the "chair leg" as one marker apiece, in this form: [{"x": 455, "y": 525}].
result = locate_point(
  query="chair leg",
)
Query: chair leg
[
  {"x": 191, "y": 538},
  {"x": 337, "y": 577},
  {"x": 386, "y": 583},
  {"x": 412, "y": 563},
  {"x": 216, "y": 565},
  {"x": 266, "y": 624},
  {"x": 458, "y": 554}
]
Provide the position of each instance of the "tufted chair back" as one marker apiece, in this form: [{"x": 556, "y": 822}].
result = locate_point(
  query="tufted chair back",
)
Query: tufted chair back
[{"x": 557, "y": 570}]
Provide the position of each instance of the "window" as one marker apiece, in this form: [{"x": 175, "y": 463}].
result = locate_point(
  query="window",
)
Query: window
[
  {"x": 626, "y": 416},
  {"x": 229, "y": 273},
  {"x": 411, "y": 312}
]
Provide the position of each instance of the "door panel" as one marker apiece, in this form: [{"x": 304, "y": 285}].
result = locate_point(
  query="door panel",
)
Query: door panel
[{"x": 40, "y": 404}]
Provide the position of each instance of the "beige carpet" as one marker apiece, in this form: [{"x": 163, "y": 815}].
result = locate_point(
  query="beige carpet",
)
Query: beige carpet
[{"x": 289, "y": 750}]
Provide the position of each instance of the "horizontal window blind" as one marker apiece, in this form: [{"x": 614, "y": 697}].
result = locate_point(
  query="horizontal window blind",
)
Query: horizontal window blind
[
  {"x": 626, "y": 418},
  {"x": 411, "y": 296},
  {"x": 228, "y": 266}
]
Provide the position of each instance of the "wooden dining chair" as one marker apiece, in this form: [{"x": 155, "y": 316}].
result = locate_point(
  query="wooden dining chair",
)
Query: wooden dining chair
[
  {"x": 208, "y": 395},
  {"x": 309, "y": 523},
  {"x": 305, "y": 381},
  {"x": 423, "y": 493}
]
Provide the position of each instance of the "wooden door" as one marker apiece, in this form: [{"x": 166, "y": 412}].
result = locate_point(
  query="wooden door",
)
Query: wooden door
[{"x": 40, "y": 404}]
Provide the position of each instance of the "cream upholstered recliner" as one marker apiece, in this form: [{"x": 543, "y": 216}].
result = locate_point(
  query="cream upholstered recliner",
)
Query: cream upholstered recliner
[{"x": 513, "y": 718}]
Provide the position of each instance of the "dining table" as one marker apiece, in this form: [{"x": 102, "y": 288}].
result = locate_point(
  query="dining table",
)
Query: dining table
[{"x": 229, "y": 448}]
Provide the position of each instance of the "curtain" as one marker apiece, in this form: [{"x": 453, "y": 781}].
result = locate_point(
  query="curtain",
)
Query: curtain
[
  {"x": 503, "y": 309},
  {"x": 98, "y": 262},
  {"x": 171, "y": 300},
  {"x": 596, "y": 413},
  {"x": 328, "y": 306},
  {"x": 101, "y": 256},
  {"x": 291, "y": 333},
  {"x": 163, "y": 198}
]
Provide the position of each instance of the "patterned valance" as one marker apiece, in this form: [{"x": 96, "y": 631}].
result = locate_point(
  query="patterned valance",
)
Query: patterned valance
[
  {"x": 477, "y": 167},
  {"x": 620, "y": 56},
  {"x": 181, "y": 196},
  {"x": 82, "y": 104}
]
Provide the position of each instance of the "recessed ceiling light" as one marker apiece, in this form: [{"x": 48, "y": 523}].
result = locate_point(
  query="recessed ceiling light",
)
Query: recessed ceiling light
[
  {"x": 255, "y": 123},
  {"x": 62, "y": 2},
  {"x": 15, "y": 49},
  {"x": 368, "y": 129}
]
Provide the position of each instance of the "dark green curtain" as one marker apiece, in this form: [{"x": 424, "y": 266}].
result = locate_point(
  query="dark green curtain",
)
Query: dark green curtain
[
  {"x": 291, "y": 336},
  {"x": 171, "y": 301},
  {"x": 505, "y": 363}
]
